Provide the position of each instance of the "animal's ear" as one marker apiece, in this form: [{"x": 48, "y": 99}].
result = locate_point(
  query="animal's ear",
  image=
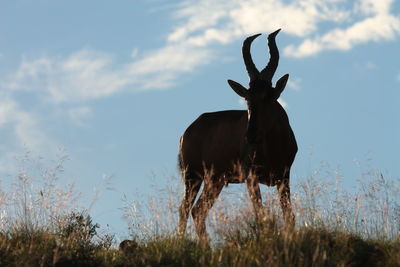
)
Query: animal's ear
[
  {"x": 280, "y": 85},
  {"x": 238, "y": 88}
]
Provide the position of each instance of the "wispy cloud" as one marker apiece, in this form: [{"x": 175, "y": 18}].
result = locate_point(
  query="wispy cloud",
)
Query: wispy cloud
[
  {"x": 376, "y": 25},
  {"x": 78, "y": 115},
  {"x": 365, "y": 66},
  {"x": 294, "y": 83},
  {"x": 161, "y": 68},
  {"x": 135, "y": 52},
  {"x": 227, "y": 21},
  {"x": 82, "y": 75},
  {"x": 370, "y": 65},
  {"x": 351, "y": 25},
  {"x": 87, "y": 74},
  {"x": 24, "y": 126}
]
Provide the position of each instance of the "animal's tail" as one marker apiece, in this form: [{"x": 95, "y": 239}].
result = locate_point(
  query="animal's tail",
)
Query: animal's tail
[{"x": 181, "y": 166}]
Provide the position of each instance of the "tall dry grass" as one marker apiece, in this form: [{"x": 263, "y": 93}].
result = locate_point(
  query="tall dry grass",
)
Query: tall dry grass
[
  {"x": 35, "y": 198},
  {"x": 335, "y": 225},
  {"x": 41, "y": 224},
  {"x": 370, "y": 208}
]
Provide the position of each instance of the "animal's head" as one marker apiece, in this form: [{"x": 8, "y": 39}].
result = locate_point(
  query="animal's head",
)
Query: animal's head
[{"x": 261, "y": 96}]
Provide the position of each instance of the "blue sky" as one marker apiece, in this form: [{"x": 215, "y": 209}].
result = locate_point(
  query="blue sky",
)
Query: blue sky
[{"x": 115, "y": 84}]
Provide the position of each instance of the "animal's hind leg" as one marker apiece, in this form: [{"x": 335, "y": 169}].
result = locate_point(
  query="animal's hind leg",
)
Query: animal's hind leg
[
  {"x": 192, "y": 187},
  {"x": 203, "y": 205}
]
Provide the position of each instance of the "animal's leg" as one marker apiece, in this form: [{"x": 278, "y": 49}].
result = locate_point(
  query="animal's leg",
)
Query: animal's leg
[
  {"x": 253, "y": 188},
  {"x": 284, "y": 194},
  {"x": 253, "y": 185},
  {"x": 192, "y": 187},
  {"x": 203, "y": 205}
]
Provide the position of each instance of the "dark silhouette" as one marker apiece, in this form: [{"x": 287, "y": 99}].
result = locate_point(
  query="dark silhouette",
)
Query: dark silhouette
[
  {"x": 128, "y": 246},
  {"x": 255, "y": 146}
]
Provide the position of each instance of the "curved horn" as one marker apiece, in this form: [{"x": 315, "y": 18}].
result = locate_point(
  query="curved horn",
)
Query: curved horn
[
  {"x": 268, "y": 72},
  {"x": 248, "y": 62}
]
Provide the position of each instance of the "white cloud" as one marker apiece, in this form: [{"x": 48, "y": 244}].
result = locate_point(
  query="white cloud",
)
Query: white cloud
[
  {"x": 135, "y": 52},
  {"x": 373, "y": 7},
  {"x": 78, "y": 115},
  {"x": 83, "y": 75},
  {"x": 24, "y": 125},
  {"x": 27, "y": 131},
  {"x": 365, "y": 20},
  {"x": 378, "y": 25},
  {"x": 227, "y": 21},
  {"x": 365, "y": 66},
  {"x": 6, "y": 111},
  {"x": 294, "y": 83},
  {"x": 88, "y": 74},
  {"x": 27, "y": 71},
  {"x": 370, "y": 65},
  {"x": 162, "y": 68},
  {"x": 318, "y": 25}
]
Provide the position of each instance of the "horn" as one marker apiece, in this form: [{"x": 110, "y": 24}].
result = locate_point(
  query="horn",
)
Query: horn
[
  {"x": 268, "y": 72},
  {"x": 248, "y": 62}
]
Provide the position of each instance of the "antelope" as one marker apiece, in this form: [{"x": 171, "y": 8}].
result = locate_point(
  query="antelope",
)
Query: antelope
[{"x": 250, "y": 146}]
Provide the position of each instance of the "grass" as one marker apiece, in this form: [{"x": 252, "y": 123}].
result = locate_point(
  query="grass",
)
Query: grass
[
  {"x": 266, "y": 245},
  {"x": 40, "y": 225}
]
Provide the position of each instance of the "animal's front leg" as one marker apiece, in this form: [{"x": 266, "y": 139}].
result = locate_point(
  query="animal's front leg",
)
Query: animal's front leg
[
  {"x": 253, "y": 188},
  {"x": 252, "y": 181}
]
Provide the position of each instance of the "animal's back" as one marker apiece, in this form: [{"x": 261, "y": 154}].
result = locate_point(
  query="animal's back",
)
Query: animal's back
[{"x": 214, "y": 142}]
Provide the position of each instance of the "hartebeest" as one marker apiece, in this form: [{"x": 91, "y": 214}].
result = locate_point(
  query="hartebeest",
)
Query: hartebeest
[{"x": 255, "y": 146}]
